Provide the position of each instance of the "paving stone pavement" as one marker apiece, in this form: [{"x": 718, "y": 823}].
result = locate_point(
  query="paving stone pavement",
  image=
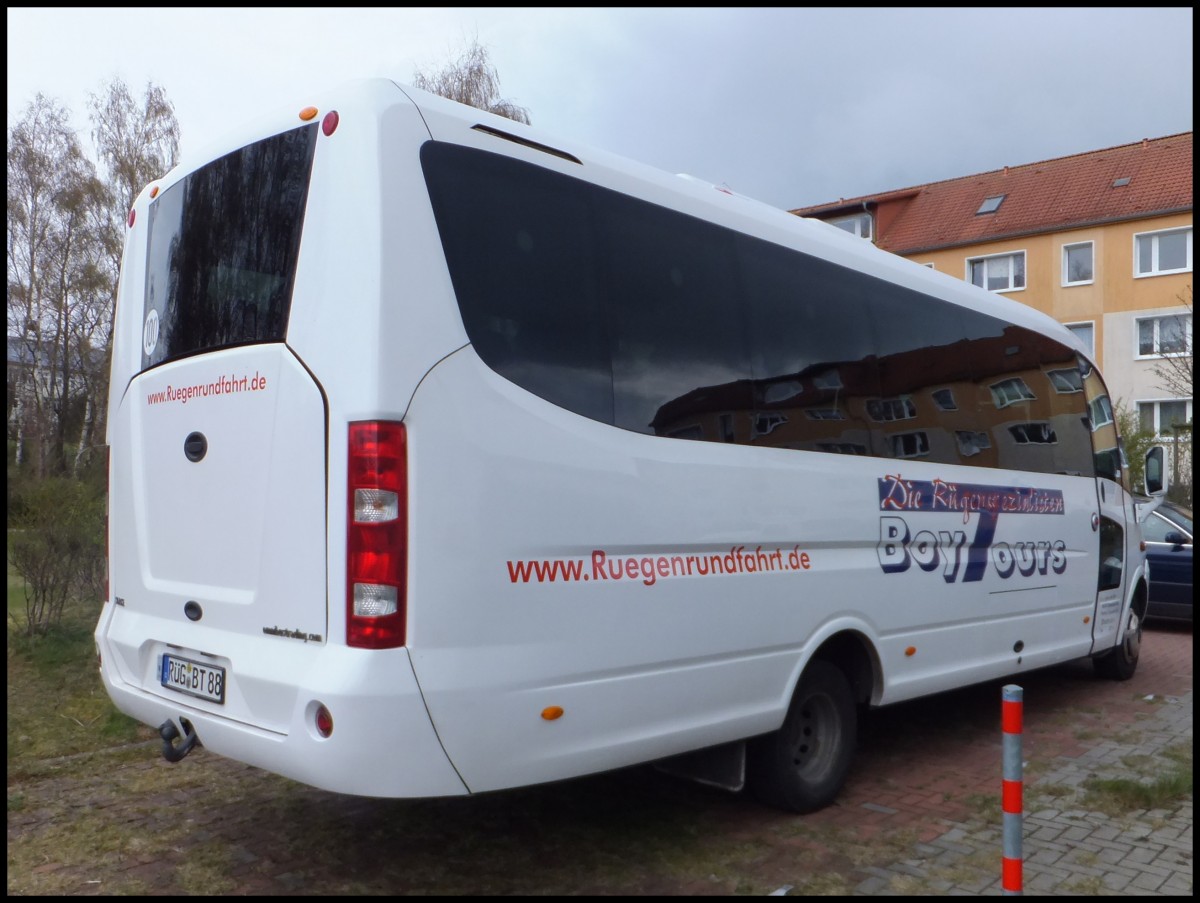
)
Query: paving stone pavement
[{"x": 1068, "y": 849}]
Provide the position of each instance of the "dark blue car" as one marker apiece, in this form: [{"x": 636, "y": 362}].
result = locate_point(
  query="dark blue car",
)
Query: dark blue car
[{"x": 1168, "y": 535}]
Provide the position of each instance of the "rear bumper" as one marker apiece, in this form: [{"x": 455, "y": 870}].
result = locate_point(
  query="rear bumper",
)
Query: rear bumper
[{"x": 382, "y": 745}]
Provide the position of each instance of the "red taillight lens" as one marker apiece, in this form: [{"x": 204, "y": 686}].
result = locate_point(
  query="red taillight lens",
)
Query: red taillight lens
[
  {"x": 324, "y": 721},
  {"x": 377, "y": 538}
]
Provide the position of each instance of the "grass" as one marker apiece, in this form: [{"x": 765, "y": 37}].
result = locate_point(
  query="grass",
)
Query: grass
[
  {"x": 1161, "y": 781},
  {"x": 57, "y": 705}
]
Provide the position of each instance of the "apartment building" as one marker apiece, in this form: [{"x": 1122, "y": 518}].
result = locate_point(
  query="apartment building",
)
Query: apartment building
[{"x": 1101, "y": 241}]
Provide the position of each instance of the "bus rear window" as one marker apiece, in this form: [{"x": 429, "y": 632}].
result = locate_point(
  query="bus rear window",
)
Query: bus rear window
[{"x": 222, "y": 250}]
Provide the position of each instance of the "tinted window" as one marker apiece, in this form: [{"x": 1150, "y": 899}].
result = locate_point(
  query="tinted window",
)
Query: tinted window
[
  {"x": 810, "y": 367},
  {"x": 630, "y": 313},
  {"x": 521, "y": 246},
  {"x": 222, "y": 249},
  {"x": 678, "y": 350}
]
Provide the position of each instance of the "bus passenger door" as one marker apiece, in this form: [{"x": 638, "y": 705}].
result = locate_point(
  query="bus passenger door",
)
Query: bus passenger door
[{"x": 1109, "y": 521}]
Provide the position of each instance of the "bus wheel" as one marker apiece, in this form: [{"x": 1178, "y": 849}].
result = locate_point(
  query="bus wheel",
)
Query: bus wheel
[
  {"x": 1121, "y": 662},
  {"x": 802, "y": 766}
]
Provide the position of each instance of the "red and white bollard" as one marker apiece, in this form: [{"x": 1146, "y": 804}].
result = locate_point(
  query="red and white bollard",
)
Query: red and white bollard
[{"x": 1012, "y": 795}]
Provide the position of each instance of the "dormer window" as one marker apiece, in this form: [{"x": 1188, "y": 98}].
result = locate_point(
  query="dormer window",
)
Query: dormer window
[
  {"x": 859, "y": 224},
  {"x": 991, "y": 205}
]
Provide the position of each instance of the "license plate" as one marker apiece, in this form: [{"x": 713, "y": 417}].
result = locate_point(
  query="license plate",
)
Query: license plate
[{"x": 194, "y": 678}]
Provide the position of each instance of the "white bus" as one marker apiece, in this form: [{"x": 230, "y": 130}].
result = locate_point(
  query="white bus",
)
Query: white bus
[{"x": 448, "y": 457}]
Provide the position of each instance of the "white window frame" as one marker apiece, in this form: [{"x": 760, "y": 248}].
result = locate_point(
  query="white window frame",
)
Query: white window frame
[
  {"x": 1155, "y": 355},
  {"x": 767, "y": 422},
  {"x": 1010, "y": 256},
  {"x": 824, "y": 414},
  {"x": 856, "y": 221},
  {"x": 891, "y": 409},
  {"x": 971, "y": 442},
  {"x": 1065, "y": 385},
  {"x": 920, "y": 441},
  {"x": 1153, "y": 238},
  {"x": 1157, "y": 405},
  {"x": 1066, "y": 272},
  {"x": 1091, "y": 325},
  {"x": 1036, "y": 432},
  {"x": 1002, "y": 398},
  {"x": 1100, "y": 412}
]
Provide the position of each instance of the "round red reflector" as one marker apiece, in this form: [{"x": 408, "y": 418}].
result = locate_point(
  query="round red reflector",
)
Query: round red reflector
[
  {"x": 131, "y": 219},
  {"x": 324, "y": 721},
  {"x": 329, "y": 123}
]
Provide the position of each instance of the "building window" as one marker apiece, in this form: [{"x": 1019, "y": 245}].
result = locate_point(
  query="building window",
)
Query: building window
[
  {"x": 859, "y": 224},
  {"x": 909, "y": 445},
  {"x": 824, "y": 414},
  {"x": 944, "y": 399},
  {"x": 971, "y": 443},
  {"x": 1001, "y": 273},
  {"x": 1100, "y": 412},
  {"x": 764, "y": 424},
  {"x": 1065, "y": 381},
  {"x": 1077, "y": 264},
  {"x": 991, "y": 205},
  {"x": 1010, "y": 391},
  {"x": 1033, "y": 434},
  {"x": 884, "y": 410},
  {"x": 1162, "y": 336},
  {"x": 1086, "y": 333},
  {"x": 1159, "y": 417},
  {"x": 1157, "y": 253}
]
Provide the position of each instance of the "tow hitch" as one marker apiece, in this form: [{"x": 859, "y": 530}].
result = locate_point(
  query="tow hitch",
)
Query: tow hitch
[{"x": 169, "y": 732}]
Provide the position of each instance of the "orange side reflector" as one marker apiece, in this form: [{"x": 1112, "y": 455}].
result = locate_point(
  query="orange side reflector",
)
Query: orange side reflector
[
  {"x": 552, "y": 713},
  {"x": 308, "y": 113},
  {"x": 910, "y": 651}
]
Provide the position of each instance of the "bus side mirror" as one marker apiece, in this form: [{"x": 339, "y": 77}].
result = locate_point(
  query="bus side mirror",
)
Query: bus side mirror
[{"x": 1155, "y": 472}]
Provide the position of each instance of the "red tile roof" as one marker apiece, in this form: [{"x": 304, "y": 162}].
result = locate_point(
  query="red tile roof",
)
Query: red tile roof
[{"x": 1049, "y": 196}]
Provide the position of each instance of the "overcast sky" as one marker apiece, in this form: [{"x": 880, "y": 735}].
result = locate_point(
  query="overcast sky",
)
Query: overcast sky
[{"x": 790, "y": 106}]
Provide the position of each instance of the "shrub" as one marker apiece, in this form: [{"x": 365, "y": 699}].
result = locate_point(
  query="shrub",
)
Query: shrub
[{"x": 57, "y": 546}]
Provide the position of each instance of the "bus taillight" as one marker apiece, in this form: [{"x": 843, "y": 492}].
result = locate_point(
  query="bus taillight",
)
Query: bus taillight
[{"x": 376, "y": 542}]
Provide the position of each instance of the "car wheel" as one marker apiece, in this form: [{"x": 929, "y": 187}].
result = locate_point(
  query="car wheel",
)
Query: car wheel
[
  {"x": 1121, "y": 663},
  {"x": 802, "y": 766}
]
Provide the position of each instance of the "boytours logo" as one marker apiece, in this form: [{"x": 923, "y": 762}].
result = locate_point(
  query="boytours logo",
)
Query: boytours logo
[{"x": 900, "y": 547}]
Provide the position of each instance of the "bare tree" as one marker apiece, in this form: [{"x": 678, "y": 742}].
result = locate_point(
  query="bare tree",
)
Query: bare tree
[
  {"x": 137, "y": 142},
  {"x": 65, "y": 234},
  {"x": 472, "y": 79},
  {"x": 53, "y": 274}
]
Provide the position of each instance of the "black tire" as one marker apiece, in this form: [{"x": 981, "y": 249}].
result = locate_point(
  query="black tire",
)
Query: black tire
[
  {"x": 1121, "y": 663},
  {"x": 802, "y": 766}
]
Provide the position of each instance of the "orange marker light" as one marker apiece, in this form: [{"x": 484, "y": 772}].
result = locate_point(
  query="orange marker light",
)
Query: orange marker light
[
  {"x": 308, "y": 113},
  {"x": 910, "y": 651},
  {"x": 552, "y": 713},
  {"x": 154, "y": 192}
]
